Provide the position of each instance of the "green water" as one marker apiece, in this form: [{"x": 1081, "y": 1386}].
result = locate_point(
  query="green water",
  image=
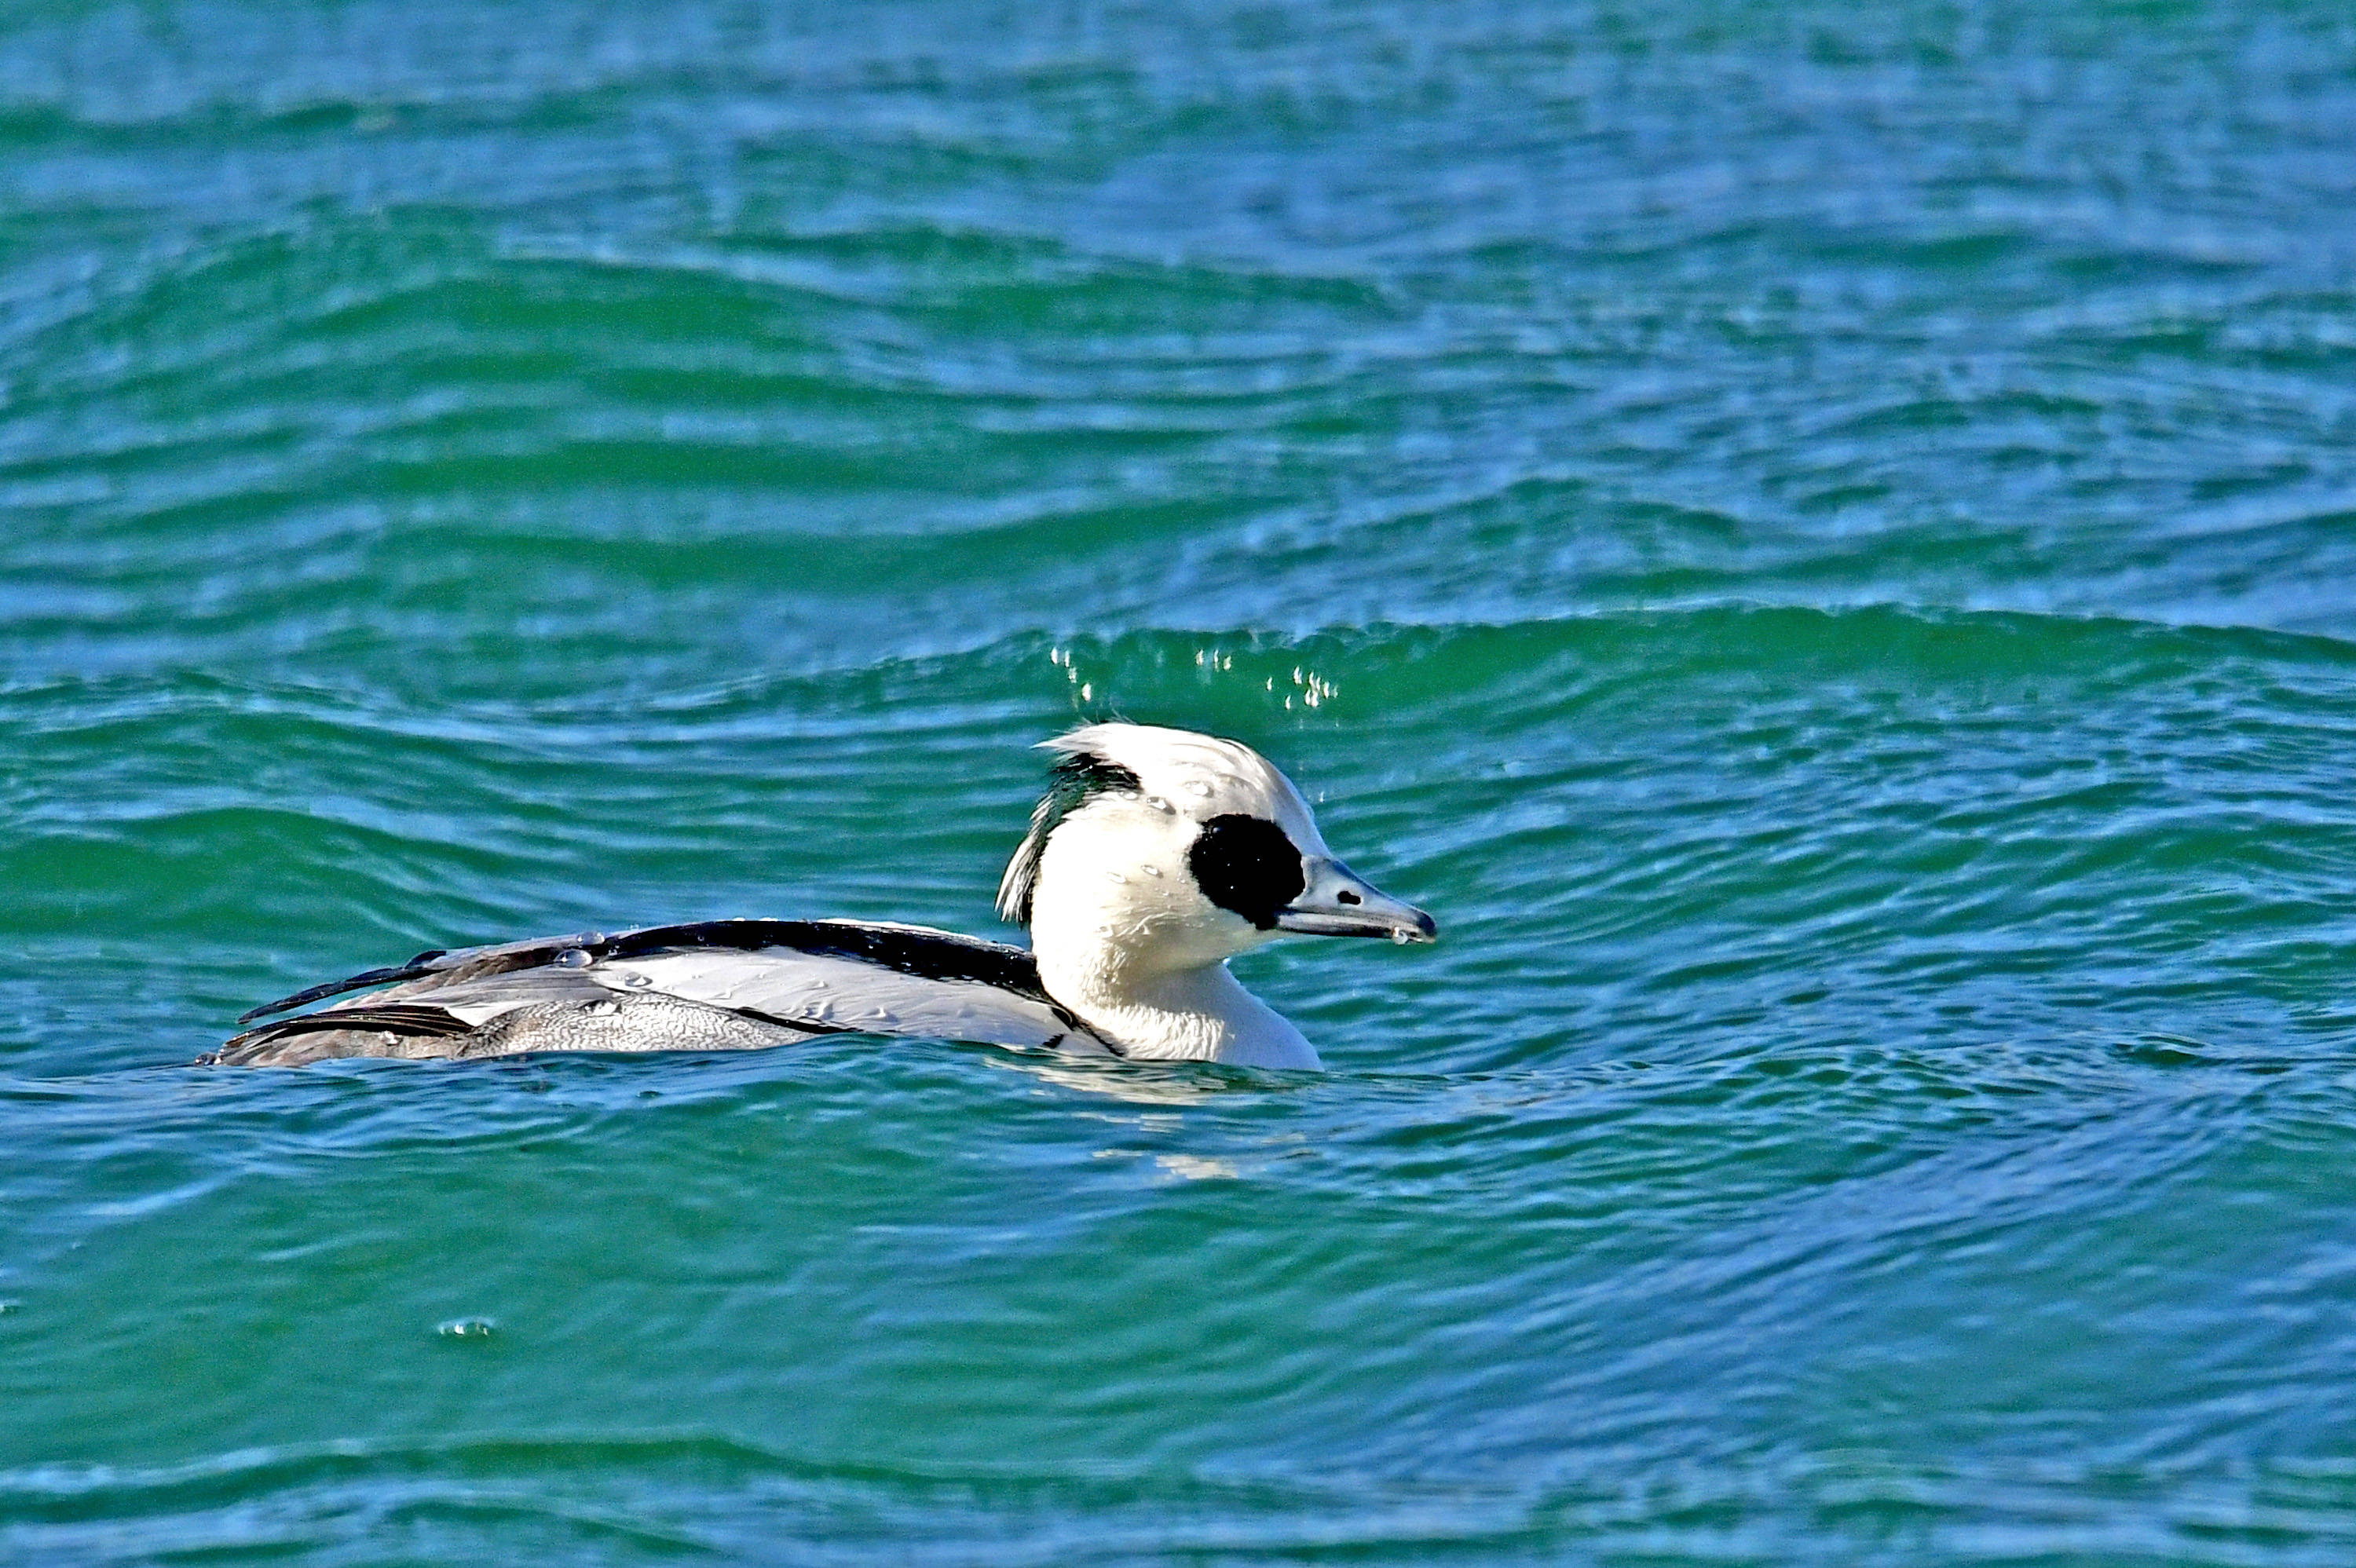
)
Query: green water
[{"x": 1819, "y": 541}]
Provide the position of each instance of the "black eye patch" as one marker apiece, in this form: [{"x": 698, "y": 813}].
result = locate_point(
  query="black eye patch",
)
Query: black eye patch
[{"x": 1247, "y": 865}]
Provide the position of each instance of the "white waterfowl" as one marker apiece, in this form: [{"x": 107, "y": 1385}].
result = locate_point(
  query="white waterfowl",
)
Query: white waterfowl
[{"x": 1156, "y": 856}]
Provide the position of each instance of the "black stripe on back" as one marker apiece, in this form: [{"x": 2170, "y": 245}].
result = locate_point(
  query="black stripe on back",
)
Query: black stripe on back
[{"x": 927, "y": 955}]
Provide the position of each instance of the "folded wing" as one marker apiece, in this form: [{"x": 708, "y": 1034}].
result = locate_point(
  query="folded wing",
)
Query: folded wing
[{"x": 717, "y": 986}]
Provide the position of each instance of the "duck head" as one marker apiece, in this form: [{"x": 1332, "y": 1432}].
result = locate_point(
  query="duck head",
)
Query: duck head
[{"x": 1155, "y": 856}]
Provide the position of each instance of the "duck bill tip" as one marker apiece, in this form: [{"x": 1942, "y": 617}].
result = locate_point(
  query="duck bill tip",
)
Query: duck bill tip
[{"x": 1403, "y": 924}]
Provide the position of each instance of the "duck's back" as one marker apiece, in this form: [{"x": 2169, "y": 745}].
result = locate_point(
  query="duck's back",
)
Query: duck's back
[{"x": 730, "y": 985}]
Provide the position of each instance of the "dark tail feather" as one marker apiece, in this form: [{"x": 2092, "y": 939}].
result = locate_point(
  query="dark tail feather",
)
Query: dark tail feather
[
  {"x": 394, "y": 1018},
  {"x": 421, "y": 964}
]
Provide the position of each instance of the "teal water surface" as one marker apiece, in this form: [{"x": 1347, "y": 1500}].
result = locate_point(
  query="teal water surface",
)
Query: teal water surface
[{"x": 1820, "y": 542}]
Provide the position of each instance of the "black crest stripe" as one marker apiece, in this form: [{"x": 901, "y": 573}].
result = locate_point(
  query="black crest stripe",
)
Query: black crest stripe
[{"x": 1072, "y": 782}]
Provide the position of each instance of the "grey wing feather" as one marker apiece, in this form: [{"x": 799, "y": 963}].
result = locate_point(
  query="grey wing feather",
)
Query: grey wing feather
[{"x": 448, "y": 963}]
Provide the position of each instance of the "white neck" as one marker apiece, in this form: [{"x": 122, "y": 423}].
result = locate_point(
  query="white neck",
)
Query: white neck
[
  {"x": 1126, "y": 940},
  {"x": 1186, "y": 1014}
]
